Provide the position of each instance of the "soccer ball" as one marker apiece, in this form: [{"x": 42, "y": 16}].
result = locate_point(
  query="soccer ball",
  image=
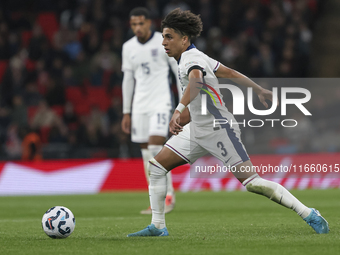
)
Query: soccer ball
[{"x": 58, "y": 222}]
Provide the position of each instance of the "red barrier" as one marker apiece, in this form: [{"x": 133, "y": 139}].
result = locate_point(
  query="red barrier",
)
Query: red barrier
[{"x": 317, "y": 171}]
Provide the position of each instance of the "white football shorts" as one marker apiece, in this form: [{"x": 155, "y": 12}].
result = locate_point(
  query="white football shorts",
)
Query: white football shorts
[
  {"x": 149, "y": 124},
  {"x": 224, "y": 144}
]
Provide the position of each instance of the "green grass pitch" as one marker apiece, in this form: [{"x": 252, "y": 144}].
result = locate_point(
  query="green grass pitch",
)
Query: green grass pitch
[{"x": 202, "y": 223}]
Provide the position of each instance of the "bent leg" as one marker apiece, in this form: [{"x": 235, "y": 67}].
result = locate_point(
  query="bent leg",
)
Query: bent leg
[
  {"x": 168, "y": 159},
  {"x": 274, "y": 191}
]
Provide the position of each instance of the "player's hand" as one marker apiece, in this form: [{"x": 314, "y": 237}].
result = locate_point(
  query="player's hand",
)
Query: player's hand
[
  {"x": 175, "y": 128},
  {"x": 126, "y": 123},
  {"x": 265, "y": 94},
  {"x": 185, "y": 117}
]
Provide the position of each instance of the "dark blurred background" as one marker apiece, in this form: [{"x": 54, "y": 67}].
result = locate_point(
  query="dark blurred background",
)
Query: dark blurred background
[{"x": 60, "y": 77}]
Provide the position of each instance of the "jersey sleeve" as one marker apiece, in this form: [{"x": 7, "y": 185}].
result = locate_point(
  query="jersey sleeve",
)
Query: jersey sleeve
[
  {"x": 194, "y": 62},
  {"x": 214, "y": 64},
  {"x": 126, "y": 63}
]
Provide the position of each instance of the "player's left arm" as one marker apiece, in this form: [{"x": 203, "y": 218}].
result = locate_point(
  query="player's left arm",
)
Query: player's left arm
[
  {"x": 189, "y": 94},
  {"x": 263, "y": 94},
  {"x": 174, "y": 68}
]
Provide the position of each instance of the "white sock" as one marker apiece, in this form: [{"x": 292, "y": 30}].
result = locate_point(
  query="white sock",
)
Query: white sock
[
  {"x": 157, "y": 193},
  {"x": 277, "y": 193},
  {"x": 146, "y": 157},
  {"x": 154, "y": 150}
]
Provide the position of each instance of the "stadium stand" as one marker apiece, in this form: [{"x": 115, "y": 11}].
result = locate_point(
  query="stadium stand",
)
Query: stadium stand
[{"x": 70, "y": 54}]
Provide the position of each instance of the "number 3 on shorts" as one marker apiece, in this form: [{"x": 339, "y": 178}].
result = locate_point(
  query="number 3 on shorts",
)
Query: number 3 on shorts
[{"x": 224, "y": 151}]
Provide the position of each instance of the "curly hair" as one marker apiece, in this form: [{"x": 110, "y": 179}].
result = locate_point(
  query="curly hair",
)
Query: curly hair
[{"x": 184, "y": 23}]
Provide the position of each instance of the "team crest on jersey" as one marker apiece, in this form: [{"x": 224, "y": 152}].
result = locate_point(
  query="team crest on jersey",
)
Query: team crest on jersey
[
  {"x": 191, "y": 63},
  {"x": 154, "y": 54}
]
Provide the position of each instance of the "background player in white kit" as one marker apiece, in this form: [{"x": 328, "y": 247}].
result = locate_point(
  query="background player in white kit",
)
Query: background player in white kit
[
  {"x": 198, "y": 138},
  {"x": 146, "y": 87}
]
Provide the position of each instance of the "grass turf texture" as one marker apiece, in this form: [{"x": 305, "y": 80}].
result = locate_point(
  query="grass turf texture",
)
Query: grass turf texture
[{"x": 202, "y": 223}]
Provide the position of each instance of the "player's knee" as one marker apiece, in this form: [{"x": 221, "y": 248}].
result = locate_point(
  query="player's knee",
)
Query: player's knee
[{"x": 155, "y": 169}]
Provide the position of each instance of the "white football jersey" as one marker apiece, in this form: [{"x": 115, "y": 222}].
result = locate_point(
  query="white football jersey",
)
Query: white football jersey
[
  {"x": 192, "y": 58},
  {"x": 200, "y": 136},
  {"x": 150, "y": 66}
]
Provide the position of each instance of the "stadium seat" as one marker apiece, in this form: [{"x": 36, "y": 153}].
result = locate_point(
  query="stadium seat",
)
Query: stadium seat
[
  {"x": 75, "y": 95},
  {"x": 44, "y": 134},
  {"x": 30, "y": 65},
  {"x": 82, "y": 109},
  {"x": 108, "y": 33},
  {"x": 58, "y": 109},
  {"x": 48, "y": 23},
  {"x": 3, "y": 68},
  {"x": 117, "y": 91},
  {"x": 106, "y": 78},
  {"x": 26, "y": 37},
  {"x": 96, "y": 91},
  {"x": 31, "y": 110},
  {"x": 98, "y": 96}
]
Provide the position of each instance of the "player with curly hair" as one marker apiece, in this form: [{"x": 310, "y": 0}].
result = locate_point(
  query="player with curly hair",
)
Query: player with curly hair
[{"x": 198, "y": 137}]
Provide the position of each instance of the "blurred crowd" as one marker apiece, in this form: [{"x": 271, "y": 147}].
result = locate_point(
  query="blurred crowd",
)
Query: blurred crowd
[{"x": 60, "y": 61}]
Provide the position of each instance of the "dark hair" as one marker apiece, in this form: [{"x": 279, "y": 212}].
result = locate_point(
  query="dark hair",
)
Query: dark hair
[
  {"x": 183, "y": 22},
  {"x": 140, "y": 11}
]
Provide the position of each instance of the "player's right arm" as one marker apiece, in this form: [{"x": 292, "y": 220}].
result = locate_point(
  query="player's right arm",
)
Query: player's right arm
[
  {"x": 185, "y": 117},
  {"x": 189, "y": 94},
  {"x": 127, "y": 90}
]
